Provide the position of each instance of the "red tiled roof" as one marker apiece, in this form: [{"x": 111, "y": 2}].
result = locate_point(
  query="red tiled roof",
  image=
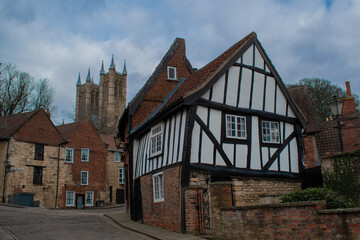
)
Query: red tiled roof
[
  {"x": 109, "y": 141},
  {"x": 10, "y": 124},
  {"x": 66, "y": 130},
  {"x": 202, "y": 76}
]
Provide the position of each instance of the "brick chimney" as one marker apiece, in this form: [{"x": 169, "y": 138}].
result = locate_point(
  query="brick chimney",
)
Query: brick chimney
[{"x": 349, "y": 107}]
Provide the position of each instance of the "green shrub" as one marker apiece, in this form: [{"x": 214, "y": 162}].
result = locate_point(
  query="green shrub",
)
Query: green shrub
[{"x": 333, "y": 199}]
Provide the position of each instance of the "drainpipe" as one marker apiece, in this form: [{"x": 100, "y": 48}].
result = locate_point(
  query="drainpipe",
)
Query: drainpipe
[{"x": 7, "y": 169}]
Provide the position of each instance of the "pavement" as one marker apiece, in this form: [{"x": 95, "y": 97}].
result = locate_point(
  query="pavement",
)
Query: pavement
[{"x": 120, "y": 218}]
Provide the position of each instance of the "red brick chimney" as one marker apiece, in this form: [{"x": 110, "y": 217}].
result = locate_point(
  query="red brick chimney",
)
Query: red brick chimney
[{"x": 349, "y": 107}]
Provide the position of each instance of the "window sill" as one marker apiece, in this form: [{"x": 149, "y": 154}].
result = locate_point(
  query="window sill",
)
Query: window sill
[{"x": 174, "y": 80}]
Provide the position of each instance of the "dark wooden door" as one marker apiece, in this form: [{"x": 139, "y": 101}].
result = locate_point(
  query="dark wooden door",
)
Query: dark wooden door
[
  {"x": 80, "y": 201},
  {"x": 120, "y": 196}
]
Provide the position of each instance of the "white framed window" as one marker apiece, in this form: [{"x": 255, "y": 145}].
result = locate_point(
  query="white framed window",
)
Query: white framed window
[
  {"x": 156, "y": 140},
  {"x": 84, "y": 177},
  {"x": 70, "y": 198},
  {"x": 84, "y": 154},
  {"x": 171, "y": 72},
  {"x": 89, "y": 199},
  {"x": 117, "y": 157},
  {"x": 121, "y": 175},
  {"x": 270, "y": 132},
  {"x": 235, "y": 126},
  {"x": 158, "y": 187},
  {"x": 69, "y": 155}
]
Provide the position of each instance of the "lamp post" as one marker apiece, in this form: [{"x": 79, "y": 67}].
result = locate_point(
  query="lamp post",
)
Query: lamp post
[
  {"x": 117, "y": 140},
  {"x": 336, "y": 107}
]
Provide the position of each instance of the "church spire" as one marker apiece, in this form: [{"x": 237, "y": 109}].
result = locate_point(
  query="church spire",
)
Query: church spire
[
  {"x": 102, "y": 71},
  {"x": 124, "y": 72},
  {"x": 112, "y": 66},
  {"x": 88, "y": 78},
  {"x": 78, "y": 81}
]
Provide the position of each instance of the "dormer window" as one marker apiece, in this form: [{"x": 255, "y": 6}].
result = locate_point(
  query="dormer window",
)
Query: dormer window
[{"x": 171, "y": 71}]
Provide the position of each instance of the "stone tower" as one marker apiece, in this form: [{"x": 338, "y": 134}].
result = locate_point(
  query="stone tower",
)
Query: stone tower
[{"x": 102, "y": 103}]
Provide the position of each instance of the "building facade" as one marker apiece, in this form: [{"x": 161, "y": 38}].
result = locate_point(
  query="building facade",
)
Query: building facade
[
  {"x": 102, "y": 103},
  {"x": 231, "y": 127}
]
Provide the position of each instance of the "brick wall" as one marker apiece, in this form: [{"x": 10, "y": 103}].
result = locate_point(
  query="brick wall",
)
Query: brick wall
[
  {"x": 307, "y": 220},
  {"x": 112, "y": 176},
  {"x": 162, "y": 86},
  {"x": 164, "y": 214},
  {"x": 311, "y": 158}
]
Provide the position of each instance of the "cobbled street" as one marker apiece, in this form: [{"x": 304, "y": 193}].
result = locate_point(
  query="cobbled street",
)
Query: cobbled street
[{"x": 37, "y": 223}]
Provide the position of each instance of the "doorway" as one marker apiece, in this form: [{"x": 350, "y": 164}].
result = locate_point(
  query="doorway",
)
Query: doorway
[
  {"x": 80, "y": 201},
  {"x": 120, "y": 196}
]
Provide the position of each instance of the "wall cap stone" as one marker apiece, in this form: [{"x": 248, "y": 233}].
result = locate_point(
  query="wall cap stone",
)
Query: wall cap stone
[
  {"x": 279, "y": 205},
  {"x": 221, "y": 183},
  {"x": 339, "y": 211}
]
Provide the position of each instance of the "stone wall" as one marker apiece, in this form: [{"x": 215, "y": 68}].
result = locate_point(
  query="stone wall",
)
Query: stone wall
[
  {"x": 252, "y": 191},
  {"x": 112, "y": 177},
  {"x": 306, "y": 220},
  {"x": 164, "y": 214}
]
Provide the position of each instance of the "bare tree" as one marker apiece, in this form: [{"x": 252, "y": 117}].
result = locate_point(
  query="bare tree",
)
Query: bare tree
[{"x": 19, "y": 92}]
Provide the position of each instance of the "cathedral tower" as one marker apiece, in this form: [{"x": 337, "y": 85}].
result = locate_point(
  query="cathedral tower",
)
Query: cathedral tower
[{"x": 102, "y": 103}]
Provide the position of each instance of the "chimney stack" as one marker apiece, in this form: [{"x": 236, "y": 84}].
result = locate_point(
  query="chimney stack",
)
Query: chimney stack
[{"x": 348, "y": 90}]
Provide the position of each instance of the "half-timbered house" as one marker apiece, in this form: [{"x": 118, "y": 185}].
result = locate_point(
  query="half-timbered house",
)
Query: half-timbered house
[{"x": 228, "y": 135}]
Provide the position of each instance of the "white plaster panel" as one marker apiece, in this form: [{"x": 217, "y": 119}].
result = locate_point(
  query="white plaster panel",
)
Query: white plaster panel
[
  {"x": 135, "y": 157},
  {"x": 229, "y": 151},
  {"x": 289, "y": 128},
  {"x": 239, "y": 60},
  {"x": 182, "y": 135},
  {"x": 255, "y": 162},
  {"x": 294, "y": 156},
  {"x": 259, "y": 61},
  {"x": 219, "y": 160},
  {"x": 202, "y": 112},
  {"x": 171, "y": 143},
  {"x": 274, "y": 166},
  {"x": 284, "y": 160},
  {"x": 258, "y": 91},
  {"x": 194, "y": 155},
  {"x": 265, "y": 155},
  {"x": 241, "y": 155},
  {"x": 176, "y": 141},
  {"x": 267, "y": 68},
  {"x": 248, "y": 56},
  {"x": 218, "y": 90},
  {"x": 166, "y": 139},
  {"x": 207, "y": 150},
  {"x": 232, "y": 87},
  {"x": 291, "y": 112},
  {"x": 281, "y": 102},
  {"x": 245, "y": 88},
  {"x": 270, "y": 94},
  {"x": 215, "y": 123},
  {"x": 206, "y": 95}
]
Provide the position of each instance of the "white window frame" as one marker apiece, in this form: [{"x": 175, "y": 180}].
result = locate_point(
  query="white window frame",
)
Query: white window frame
[
  {"x": 168, "y": 73},
  {"x": 71, "y": 151},
  {"x": 158, "y": 187},
  {"x": 235, "y": 126},
  {"x": 91, "y": 195},
  {"x": 270, "y": 132},
  {"x": 117, "y": 157},
  {"x": 87, "y": 178},
  {"x": 85, "y": 152},
  {"x": 70, "y": 199},
  {"x": 156, "y": 140},
  {"x": 121, "y": 175}
]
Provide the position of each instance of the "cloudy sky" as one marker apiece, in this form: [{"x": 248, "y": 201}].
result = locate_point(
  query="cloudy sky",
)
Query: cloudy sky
[{"x": 59, "y": 39}]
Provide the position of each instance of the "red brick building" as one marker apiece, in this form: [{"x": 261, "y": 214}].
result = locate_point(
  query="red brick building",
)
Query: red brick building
[{"x": 83, "y": 175}]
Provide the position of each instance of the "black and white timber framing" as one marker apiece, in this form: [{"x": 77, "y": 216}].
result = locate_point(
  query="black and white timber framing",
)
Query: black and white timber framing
[{"x": 247, "y": 85}]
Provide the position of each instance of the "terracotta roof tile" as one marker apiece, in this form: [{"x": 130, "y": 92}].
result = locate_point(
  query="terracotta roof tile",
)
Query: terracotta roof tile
[
  {"x": 10, "y": 124},
  {"x": 66, "y": 130}
]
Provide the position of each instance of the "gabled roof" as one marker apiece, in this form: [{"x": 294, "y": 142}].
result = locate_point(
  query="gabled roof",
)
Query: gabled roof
[
  {"x": 136, "y": 101},
  {"x": 66, "y": 130},
  {"x": 110, "y": 142},
  {"x": 197, "y": 84},
  {"x": 301, "y": 96},
  {"x": 9, "y": 125}
]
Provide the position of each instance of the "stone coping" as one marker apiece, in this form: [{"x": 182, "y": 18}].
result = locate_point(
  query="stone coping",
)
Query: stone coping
[
  {"x": 339, "y": 211},
  {"x": 278, "y": 205}
]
